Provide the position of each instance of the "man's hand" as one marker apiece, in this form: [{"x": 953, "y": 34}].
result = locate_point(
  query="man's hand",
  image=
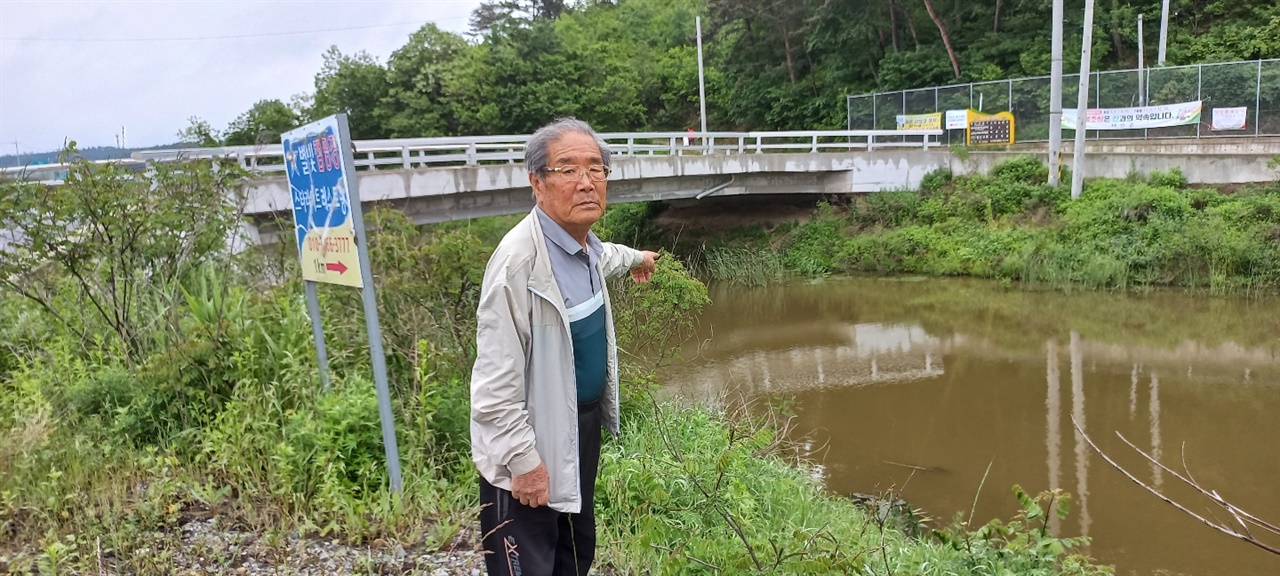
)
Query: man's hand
[
  {"x": 644, "y": 271},
  {"x": 533, "y": 487}
]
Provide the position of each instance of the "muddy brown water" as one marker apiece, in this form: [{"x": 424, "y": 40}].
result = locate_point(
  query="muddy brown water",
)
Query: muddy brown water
[{"x": 918, "y": 385}]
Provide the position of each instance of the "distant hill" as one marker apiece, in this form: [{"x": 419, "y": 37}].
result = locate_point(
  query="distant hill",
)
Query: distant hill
[{"x": 95, "y": 153}]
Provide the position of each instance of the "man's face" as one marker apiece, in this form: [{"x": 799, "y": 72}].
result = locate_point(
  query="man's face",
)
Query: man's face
[{"x": 574, "y": 204}]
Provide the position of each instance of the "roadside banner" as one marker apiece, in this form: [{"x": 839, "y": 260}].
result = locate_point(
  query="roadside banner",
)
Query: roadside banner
[
  {"x": 957, "y": 119},
  {"x": 989, "y": 128},
  {"x": 1140, "y": 117},
  {"x": 920, "y": 121},
  {"x": 1229, "y": 118},
  {"x": 321, "y": 197}
]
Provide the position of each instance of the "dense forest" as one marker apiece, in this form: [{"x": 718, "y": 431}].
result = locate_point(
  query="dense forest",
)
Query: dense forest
[{"x": 630, "y": 65}]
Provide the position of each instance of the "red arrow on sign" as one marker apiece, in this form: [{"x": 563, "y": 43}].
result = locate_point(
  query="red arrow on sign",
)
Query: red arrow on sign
[{"x": 335, "y": 267}]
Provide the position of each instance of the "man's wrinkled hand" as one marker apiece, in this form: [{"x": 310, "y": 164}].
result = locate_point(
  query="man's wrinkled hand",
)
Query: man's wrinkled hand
[
  {"x": 533, "y": 487},
  {"x": 644, "y": 271}
]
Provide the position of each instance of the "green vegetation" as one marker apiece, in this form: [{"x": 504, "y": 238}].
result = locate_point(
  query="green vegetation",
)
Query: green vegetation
[
  {"x": 1132, "y": 234},
  {"x": 149, "y": 380},
  {"x": 631, "y": 65}
]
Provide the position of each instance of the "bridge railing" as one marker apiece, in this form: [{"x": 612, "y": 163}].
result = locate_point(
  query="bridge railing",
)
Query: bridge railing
[{"x": 409, "y": 153}]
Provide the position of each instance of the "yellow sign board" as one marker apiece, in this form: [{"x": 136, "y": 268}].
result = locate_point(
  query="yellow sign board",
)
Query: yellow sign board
[
  {"x": 990, "y": 128},
  {"x": 920, "y": 121}
]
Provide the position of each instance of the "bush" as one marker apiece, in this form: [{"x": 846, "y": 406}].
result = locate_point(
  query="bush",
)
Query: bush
[
  {"x": 935, "y": 180},
  {"x": 1171, "y": 179},
  {"x": 889, "y": 209},
  {"x": 1023, "y": 170},
  {"x": 812, "y": 245}
]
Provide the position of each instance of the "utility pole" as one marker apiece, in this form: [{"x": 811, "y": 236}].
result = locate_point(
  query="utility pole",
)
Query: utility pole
[
  {"x": 1055, "y": 98},
  {"x": 1142, "y": 75},
  {"x": 1164, "y": 31},
  {"x": 702, "y": 88},
  {"x": 1082, "y": 103}
]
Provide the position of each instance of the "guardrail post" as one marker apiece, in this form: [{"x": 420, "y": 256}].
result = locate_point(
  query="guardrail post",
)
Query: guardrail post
[
  {"x": 471, "y": 154},
  {"x": 404, "y": 157},
  {"x": 631, "y": 146},
  {"x": 711, "y": 145},
  {"x": 672, "y": 147},
  {"x": 758, "y": 150},
  {"x": 742, "y": 144},
  {"x": 871, "y": 142}
]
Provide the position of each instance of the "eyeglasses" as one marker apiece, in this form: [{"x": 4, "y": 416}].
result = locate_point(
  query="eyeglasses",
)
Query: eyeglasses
[{"x": 597, "y": 172}]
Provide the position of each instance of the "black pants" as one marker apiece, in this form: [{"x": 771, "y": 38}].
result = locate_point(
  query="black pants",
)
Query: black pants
[{"x": 524, "y": 541}]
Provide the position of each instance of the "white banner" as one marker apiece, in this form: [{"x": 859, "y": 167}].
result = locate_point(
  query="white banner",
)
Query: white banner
[
  {"x": 1140, "y": 117},
  {"x": 1229, "y": 118},
  {"x": 957, "y": 119}
]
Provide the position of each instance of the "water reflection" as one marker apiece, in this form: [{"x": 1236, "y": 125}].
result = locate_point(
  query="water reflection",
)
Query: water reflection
[
  {"x": 848, "y": 355},
  {"x": 1082, "y": 448},
  {"x": 1156, "y": 478},
  {"x": 953, "y": 376},
  {"x": 1053, "y": 402}
]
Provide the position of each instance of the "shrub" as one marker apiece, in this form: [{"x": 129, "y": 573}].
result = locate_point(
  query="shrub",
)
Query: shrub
[
  {"x": 935, "y": 180},
  {"x": 890, "y": 209},
  {"x": 1171, "y": 179},
  {"x": 1022, "y": 169},
  {"x": 812, "y": 246}
]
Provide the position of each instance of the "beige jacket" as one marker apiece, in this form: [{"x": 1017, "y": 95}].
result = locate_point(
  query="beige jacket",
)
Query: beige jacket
[{"x": 524, "y": 408}]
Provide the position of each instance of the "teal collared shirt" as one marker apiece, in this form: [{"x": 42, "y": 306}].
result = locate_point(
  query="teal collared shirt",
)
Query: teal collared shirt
[{"x": 577, "y": 275}]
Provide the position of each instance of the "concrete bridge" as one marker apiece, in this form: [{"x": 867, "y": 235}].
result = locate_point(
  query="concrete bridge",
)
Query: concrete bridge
[{"x": 441, "y": 179}]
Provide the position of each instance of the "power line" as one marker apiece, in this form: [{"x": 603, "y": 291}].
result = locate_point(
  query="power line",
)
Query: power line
[{"x": 228, "y": 37}]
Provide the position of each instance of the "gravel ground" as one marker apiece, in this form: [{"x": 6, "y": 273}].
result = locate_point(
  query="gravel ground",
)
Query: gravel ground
[
  {"x": 203, "y": 547},
  {"x": 206, "y": 549}
]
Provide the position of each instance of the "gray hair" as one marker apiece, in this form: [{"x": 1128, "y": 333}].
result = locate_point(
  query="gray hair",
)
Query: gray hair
[{"x": 537, "y": 150}]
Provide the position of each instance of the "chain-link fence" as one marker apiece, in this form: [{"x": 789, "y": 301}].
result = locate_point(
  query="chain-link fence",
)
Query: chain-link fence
[{"x": 1253, "y": 85}]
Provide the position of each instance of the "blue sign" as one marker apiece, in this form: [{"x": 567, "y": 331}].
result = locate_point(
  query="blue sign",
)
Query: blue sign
[{"x": 314, "y": 165}]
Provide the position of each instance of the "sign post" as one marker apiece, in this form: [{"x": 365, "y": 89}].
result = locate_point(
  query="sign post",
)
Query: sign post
[{"x": 329, "y": 224}]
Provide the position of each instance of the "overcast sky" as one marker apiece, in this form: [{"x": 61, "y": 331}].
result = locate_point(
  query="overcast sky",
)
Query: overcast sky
[{"x": 85, "y": 69}]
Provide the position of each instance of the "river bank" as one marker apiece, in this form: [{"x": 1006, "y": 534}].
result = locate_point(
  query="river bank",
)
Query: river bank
[{"x": 132, "y": 419}]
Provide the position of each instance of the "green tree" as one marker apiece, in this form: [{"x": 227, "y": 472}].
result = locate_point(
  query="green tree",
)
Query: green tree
[
  {"x": 417, "y": 103},
  {"x": 198, "y": 133},
  {"x": 355, "y": 85},
  {"x": 261, "y": 124}
]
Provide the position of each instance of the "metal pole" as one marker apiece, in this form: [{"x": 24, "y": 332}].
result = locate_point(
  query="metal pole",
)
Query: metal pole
[
  {"x": 1142, "y": 92},
  {"x": 1082, "y": 104},
  {"x": 702, "y": 88},
  {"x": 317, "y": 333},
  {"x": 1257, "y": 103},
  {"x": 1055, "y": 98},
  {"x": 1164, "y": 31},
  {"x": 372, "y": 326},
  {"x": 1200, "y": 94}
]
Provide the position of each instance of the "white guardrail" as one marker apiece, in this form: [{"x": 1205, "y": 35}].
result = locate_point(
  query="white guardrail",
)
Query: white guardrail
[{"x": 409, "y": 153}]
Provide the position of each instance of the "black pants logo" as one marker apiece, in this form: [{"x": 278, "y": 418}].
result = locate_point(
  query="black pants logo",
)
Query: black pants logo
[{"x": 513, "y": 556}]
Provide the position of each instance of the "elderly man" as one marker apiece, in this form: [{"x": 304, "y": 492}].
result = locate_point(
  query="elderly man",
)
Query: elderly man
[{"x": 545, "y": 379}]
